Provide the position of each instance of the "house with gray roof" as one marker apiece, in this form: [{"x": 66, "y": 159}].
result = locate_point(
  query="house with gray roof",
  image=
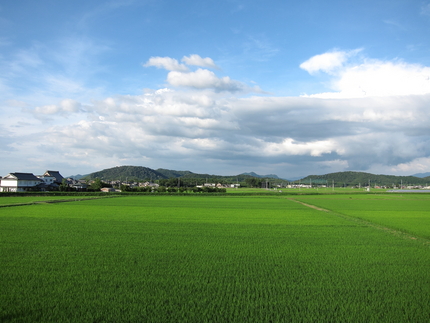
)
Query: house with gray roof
[
  {"x": 23, "y": 182},
  {"x": 55, "y": 174},
  {"x": 20, "y": 182}
]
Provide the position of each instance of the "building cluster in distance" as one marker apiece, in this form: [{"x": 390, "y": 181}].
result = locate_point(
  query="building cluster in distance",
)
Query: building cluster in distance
[
  {"x": 22, "y": 182},
  {"x": 53, "y": 181},
  {"x": 28, "y": 182}
]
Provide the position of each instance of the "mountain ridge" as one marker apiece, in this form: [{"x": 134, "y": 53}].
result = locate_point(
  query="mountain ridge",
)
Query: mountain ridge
[
  {"x": 262, "y": 176},
  {"x": 421, "y": 175},
  {"x": 140, "y": 173},
  {"x": 363, "y": 179}
]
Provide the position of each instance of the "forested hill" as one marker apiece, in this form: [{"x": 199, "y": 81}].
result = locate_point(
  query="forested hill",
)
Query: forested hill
[
  {"x": 361, "y": 178},
  {"x": 174, "y": 173},
  {"x": 140, "y": 173},
  {"x": 252, "y": 174},
  {"x": 127, "y": 173}
]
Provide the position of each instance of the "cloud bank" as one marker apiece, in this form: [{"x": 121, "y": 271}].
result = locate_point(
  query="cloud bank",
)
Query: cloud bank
[
  {"x": 375, "y": 119},
  {"x": 368, "y": 78}
]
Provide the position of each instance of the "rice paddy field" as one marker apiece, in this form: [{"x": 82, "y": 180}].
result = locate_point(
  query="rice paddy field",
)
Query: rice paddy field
[
  {"x": 19, "y": 200},
  {"x": 231, "y": 258}
]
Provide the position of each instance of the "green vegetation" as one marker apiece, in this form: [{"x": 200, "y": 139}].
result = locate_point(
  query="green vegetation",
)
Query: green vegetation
[
  {"x": 166, "y": 177},
  {"x": 407, "y": 213},
  {"x": 359, "y": 178},
  {"x": 229, "y": 258},
  {"x": 28, "y": 199},
  {"x": 126, "y": 172}
]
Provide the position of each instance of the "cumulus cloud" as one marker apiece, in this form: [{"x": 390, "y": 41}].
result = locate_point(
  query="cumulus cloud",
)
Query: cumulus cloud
[
  {"x": 288, "y": 146},
  {"x": 204, "y": 79},
  {"x": 66, "y": 106},
  {"x": 353, "y": 134},
  {"x": 326, "y": 62},
  {"x": 167, "y": 63},
  {"x": 210, "y": 127},
  {"x": 369, "y": 77},
  {"x": 196, "y": 60},
  {"x": 417, "y": 165}
]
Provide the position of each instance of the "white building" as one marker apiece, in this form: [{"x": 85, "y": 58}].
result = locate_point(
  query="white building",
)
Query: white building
[
  {"x": 22, "y": 182},
  {"x": 19, "y": 182},
  {"x": 47, "y": 179}
]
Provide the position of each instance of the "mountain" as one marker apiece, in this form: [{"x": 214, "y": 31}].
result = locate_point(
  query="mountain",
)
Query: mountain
[
  {"x": 140, "y": 173},
  {"x": 422, "y": 175},
  {"x": 261, "y": 176},
  {"x": 127, "y": 173},
  {"x": 360, "y": 178},
  {"x": 175, "y": 173}
]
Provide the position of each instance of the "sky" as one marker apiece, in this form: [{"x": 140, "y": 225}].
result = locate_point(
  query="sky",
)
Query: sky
[{"x": 291, "y": 88}]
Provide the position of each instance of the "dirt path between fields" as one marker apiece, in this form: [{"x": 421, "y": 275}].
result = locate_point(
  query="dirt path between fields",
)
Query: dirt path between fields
[
  {"x": 309, "y": 205},
  {"x": 402, "y": 234},
  {"x": 57, "y": 201}
]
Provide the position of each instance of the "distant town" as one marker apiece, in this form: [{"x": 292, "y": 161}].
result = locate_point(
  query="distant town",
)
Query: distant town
[{"x": 143, "y": 179}]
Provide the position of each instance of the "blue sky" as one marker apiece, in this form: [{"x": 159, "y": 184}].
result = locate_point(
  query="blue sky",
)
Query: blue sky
[{"x": 221, "y": 87}]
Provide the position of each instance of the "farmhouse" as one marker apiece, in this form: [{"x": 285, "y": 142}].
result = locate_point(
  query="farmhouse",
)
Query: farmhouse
[
  {"x": 78, "y": 185},
  {"x": 55, "y": 175},
  {"x": 22, "y": 182},
  {"x": 146, "y": 184}
]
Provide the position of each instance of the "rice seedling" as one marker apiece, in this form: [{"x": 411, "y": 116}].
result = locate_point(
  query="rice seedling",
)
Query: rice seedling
[{"x": 204, "y": 259}]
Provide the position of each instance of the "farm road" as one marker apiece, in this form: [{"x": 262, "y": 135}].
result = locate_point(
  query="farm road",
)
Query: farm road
[
  {"x": 308, "y": 205},
  {"x": 396, "y": 232}
]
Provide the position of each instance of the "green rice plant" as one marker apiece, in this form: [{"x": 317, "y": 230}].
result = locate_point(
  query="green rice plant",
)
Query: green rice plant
[
  {"x": 407, "y": 213},
  {"x": 204, "y": 259},
  {"x": 15, "y": 200}
]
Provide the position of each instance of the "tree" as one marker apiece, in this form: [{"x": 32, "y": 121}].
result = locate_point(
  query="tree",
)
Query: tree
[
  {"x": 253, "y": 182},
  {"x": 124, "y": 188},
  {"x": 64, "y": 186},
  {"x": 161, "y": 189},
  {"x": 96, "y": 185}
]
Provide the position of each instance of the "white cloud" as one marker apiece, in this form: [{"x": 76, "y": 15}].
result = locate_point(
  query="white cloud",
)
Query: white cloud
[
  {"x": 66, "y": 106},
  {"x": 369, "y": 78},
  {"x": 383, "y": 79},
  {"x": 204, "y": 79},
  {"x": 196, "y": 60},
  {"x": 209, "y": 124},
  {"x": 167, "y": 63},
  {"x": 326, "y": 62},
  {"x": 354, "y": 133},
  {"x": 290, "y": 147},
  {"x": 417, "y": 165}
]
